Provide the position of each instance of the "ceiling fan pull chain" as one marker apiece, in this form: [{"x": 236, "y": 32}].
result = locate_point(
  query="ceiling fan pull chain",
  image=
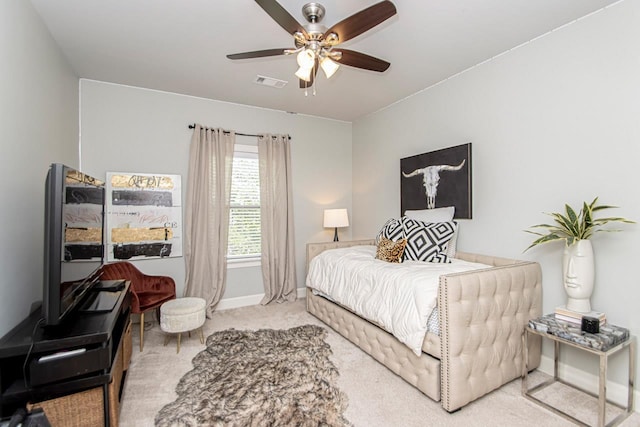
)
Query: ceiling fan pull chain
[
  {"x": 314, "y": 87},
  {"x": 315, "y": 73}
]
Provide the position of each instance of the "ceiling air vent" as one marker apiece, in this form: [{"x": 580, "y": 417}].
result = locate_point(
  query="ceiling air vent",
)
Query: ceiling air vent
[{"x": 270, "y": 81}]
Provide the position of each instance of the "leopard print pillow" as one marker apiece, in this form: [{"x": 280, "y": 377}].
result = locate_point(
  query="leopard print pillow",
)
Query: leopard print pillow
[{"x": 390, "y": 251}]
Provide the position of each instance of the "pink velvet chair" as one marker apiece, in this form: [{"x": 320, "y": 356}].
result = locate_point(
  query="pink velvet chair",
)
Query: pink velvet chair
[{"x": 147, "y": 292}]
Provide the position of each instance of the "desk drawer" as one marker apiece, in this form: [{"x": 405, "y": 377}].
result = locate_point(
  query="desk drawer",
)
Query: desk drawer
[{"x": 68, "y": 365}]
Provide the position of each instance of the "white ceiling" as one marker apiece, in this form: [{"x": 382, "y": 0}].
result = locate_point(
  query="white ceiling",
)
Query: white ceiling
[{"x": 180, "y": 46}]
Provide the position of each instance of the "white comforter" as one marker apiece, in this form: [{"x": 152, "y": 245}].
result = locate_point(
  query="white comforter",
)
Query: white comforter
[{"x": 397, "y": 297}]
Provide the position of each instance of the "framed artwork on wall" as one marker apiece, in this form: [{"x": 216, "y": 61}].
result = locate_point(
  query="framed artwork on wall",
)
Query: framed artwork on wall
[
  {"x": 144, "y": 216},
  {"x": 437, "y": 179}
]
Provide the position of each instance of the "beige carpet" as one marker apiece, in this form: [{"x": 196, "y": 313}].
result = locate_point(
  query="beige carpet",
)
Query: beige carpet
[{"x": 377, "y": 397}]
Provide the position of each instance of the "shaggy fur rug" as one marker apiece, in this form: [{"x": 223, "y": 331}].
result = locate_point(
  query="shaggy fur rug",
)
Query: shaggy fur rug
[{"x": 260, "y": 378}]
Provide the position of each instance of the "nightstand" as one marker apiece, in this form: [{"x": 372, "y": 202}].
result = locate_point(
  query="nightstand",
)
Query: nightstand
[{"x": 610, "y": 340}]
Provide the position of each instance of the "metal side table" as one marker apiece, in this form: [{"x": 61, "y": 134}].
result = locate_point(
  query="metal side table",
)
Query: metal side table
[{"x": 610, "y": 340}]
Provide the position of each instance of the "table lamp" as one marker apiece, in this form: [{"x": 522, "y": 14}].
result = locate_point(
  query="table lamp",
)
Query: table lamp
[{"x": 335, "y": 218}]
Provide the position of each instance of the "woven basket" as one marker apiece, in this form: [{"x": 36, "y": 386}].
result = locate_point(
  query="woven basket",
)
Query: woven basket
[
  {"x": 78, "y": 409},
  {"x": 126, "y": 347}
]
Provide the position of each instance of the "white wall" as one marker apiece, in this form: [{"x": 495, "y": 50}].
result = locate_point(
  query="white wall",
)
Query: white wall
[
  {"x": 127, "y": 129},
  {"x": 39, "y": 122},
  {"x": 555, "y": 121}
]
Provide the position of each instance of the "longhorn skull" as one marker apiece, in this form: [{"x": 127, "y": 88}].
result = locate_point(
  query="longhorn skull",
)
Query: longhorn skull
[{"x": 431, "y": 178}]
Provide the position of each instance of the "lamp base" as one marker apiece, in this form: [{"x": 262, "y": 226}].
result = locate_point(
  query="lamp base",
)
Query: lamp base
[{"x": 335, "y": 234}]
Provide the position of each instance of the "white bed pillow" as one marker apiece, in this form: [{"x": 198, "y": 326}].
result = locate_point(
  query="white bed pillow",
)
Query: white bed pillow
[
  {"x": 432, "y": 215},
  {"x": 437, "y": 215}
]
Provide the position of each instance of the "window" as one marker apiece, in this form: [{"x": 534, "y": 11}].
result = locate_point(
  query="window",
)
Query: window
[{"x": 244, "y": 214}]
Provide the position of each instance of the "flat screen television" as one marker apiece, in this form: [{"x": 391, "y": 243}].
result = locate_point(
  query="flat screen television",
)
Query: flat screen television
[{"x": 73, "y": 239}]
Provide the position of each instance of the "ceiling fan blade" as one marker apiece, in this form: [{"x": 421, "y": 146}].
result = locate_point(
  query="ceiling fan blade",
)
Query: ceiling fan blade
[
  {"x": 362, "y": 21},
  {"x": 304, "y": 84},
  {"x": 257, "y": 53},
  {"x": 361, "y": 60},
  {"x": 281, "y": 16}
]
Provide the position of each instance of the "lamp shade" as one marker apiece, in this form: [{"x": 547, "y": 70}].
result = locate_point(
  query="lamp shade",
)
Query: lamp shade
[
  {"x": 306, "y": 58},
  {"x": 304, "y": 74},
  {"x": 336, "y": 218},
  {"x": 329, "y": 67}
]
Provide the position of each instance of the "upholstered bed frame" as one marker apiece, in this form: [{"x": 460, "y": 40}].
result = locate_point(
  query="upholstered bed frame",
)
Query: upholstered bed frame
[{"x": 482, "y": 317}]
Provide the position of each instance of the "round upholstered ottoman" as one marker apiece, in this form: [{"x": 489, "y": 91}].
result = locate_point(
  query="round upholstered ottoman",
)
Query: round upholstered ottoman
[{"x": 182, "y": 315}]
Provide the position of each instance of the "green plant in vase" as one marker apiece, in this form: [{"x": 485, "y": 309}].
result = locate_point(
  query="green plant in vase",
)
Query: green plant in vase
[
  {"x": 572, "y": 227},
  {"x": 578, "y": 269}
]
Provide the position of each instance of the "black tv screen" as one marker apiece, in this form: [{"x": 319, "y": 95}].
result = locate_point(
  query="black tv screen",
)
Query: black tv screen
[{"x": 74, "y": 239}]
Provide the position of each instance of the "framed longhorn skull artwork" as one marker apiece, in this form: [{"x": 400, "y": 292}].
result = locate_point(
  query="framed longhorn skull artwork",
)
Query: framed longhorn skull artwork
[{"x": 437, "y": 179}]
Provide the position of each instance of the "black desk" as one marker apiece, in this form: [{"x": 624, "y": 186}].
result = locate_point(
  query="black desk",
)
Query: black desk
[{"x": 77, "y": 355}]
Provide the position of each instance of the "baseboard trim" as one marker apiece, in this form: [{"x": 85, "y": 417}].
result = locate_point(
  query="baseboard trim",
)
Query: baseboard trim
[
  {"x": 245, "y": 301},
  {"x": 616, "y": 392}
]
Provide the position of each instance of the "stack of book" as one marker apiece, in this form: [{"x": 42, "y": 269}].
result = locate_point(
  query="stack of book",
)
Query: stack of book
[{"x": 566, "y": 315}]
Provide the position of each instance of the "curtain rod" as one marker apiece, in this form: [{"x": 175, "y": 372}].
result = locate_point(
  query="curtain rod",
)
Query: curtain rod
[{"x": 193, "y": 126}]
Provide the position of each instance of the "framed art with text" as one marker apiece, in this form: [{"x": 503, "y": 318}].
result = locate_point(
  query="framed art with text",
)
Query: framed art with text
[
  {"x": 144, "y": 216},
  {"x": 437, "y": 179}
]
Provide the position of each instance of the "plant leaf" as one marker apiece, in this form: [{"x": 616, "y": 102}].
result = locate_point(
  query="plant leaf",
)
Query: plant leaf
[
  {"x": 565, "y": 223},
  {"x": 601, "y": 207},
  {"x": 543, "y": 226},
  {"x": 545, "y": 239},
  {"x": 571, "y": 214},
  {"x": 587, "y": 220},
  {"x": 602, "y": 221}
]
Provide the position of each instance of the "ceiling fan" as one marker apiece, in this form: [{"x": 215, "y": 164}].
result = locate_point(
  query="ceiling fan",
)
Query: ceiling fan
[{"x": 315, "y": 45}]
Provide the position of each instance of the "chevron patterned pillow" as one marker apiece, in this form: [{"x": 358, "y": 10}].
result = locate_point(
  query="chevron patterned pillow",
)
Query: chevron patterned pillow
[
  {"x": 392, "y": 230},
  {"x": 427, "y": 241}
]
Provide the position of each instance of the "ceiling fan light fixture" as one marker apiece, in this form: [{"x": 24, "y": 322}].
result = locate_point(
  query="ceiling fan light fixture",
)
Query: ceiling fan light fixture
[
  {"x": 304, "y": 73},
  {"x": 306, "y": 58},
  {"x": 331, "y": 39},
  {"x": 329, "y": 67},
  {"x": 299, "y": 38},
  {"x": 336, "y": 55}
]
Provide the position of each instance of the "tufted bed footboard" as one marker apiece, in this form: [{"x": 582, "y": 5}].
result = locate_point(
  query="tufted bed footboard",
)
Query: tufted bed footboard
[{"x": 482, "y": 317}]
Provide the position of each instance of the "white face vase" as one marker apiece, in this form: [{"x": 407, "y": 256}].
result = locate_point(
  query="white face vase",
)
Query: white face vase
[{"x": 578, "y": 275}]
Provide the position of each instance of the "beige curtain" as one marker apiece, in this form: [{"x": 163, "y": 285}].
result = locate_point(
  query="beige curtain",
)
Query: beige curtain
[
  {"x": 207, "y": 214},
  {"x": 276, "y": 219}
]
